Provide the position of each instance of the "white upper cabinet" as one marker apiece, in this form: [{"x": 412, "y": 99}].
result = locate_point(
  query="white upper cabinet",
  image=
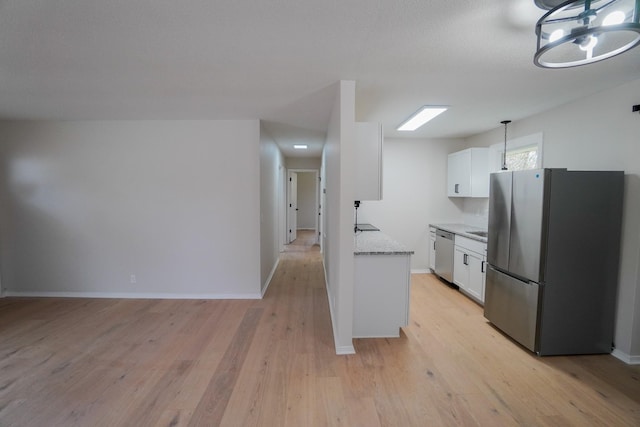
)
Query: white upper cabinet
[
  {"x": 369, "y": 141},
  {"x": 468, "y": 173}
]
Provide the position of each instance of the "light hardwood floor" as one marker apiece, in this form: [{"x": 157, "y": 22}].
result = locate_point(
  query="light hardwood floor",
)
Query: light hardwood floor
[{"x": 113, "y": 362}]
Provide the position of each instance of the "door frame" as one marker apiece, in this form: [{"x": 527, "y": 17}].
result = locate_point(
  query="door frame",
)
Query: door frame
[
  {"x": 292, "y": 206},
  {"x": 316, "y": 173}
]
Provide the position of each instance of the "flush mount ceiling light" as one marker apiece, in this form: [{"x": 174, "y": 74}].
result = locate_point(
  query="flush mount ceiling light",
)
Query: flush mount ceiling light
[
  {"x": 575, "y": 33},
  {"x": 420, "y": 117},
  {"x": 300, "y": 146}
]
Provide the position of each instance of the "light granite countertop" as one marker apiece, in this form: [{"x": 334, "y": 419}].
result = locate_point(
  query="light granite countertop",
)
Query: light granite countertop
[
  {"x": 378, "y": 243},
  {"x": 462, "y": 230}
]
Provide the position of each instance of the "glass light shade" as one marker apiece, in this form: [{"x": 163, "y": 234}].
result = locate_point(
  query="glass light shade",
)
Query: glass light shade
[{"x": 581, "y": 32}]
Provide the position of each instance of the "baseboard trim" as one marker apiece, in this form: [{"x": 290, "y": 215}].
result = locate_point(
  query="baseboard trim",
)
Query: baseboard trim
[
  {"x": 626, "y": 358},
  {"x": 345, "y": 350},
  {"x": 421, "y": 271},
  {"x": 268, "y": 281},
  {"x": 129, "y": 295}
]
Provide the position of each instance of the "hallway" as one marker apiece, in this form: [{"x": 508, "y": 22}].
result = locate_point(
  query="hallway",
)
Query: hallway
[{"x": 306, "y": 241}]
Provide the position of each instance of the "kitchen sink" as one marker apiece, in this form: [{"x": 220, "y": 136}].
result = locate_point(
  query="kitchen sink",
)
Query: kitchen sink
[{"x": 478, "y": 233}]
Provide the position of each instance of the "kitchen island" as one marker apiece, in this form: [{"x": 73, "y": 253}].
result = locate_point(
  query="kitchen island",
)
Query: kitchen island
[{"x": 382, "y": 285}]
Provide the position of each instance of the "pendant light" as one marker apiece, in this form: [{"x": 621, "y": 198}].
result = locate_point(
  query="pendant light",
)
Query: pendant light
[
  {"x": 581, "y": 32},
  {"x": 504, "y": 155}
]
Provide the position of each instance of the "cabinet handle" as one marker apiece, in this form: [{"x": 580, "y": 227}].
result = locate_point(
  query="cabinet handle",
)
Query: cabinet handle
[
  {"x": 482, "y": 267},
  {"x": 465, "y": 259},
  {"x": 434, "y": 245},
  {"x": 456, "y": 188}
]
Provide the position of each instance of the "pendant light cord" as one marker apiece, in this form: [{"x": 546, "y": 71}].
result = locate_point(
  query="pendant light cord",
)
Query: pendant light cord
[{"x": 504, "y": 155}]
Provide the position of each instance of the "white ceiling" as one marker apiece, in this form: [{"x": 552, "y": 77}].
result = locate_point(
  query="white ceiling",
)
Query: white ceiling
[{"x": 275, "y": 59}]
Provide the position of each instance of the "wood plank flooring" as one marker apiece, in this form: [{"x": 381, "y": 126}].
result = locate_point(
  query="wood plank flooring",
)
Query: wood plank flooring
[{"x": 272, "y": 362}]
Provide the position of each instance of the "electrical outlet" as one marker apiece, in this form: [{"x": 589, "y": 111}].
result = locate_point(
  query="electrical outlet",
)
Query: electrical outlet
[{"x": 133, "y": 278}]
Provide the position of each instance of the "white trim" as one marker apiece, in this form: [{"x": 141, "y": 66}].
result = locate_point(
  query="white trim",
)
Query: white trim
[
  {"x": 317, "y": 199},
  {"x": 282, "y": 208},
  {"x": 130, "y": 295},
  {"x": 340, "y": 349},
  {"x": 379, "y": 336},
  {"x": 291, "y": 227},
  {"x": 345, "y": 349},
  {"x": 626, "y": 358},
  {"x": 421, "y": 271},
  {"x": 496, "y": 150},
  {"x": 268, "y": 281}
]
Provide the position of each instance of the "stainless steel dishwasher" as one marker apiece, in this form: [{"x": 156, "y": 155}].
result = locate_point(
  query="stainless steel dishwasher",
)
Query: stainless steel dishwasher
[{"x": 444, "y": 255}]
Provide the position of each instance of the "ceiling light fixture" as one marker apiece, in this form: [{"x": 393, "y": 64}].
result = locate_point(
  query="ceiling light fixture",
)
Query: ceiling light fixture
[
  {"x": 300, "y": 146},
  {"x": 420, "y": 117},
  {"x": 581, "y": 32}
]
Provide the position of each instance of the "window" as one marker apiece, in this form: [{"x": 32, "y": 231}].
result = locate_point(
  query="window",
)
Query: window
[
  {"x": 522, "y": 158},
  {"x": 522, "y": 153}
]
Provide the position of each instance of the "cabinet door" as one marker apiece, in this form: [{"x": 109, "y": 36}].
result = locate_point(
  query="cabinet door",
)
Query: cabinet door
[
  {"x": 459, "y": 174},
  {"x": 484, "y": 277},
  {"x": 468, "y": 173},
  {"x": 477, "y": 267},
  {"x": 461, "y": 267},
  {"x": 432, "y": 251},
  {"x": 479, "y": 175}
]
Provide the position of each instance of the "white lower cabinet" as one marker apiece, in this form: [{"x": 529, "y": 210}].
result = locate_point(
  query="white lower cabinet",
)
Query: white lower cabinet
[{"x": 469, "y": 267}]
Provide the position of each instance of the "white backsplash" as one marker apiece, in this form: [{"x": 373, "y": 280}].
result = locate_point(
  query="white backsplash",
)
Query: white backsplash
[{"x": 476, "y": 212}]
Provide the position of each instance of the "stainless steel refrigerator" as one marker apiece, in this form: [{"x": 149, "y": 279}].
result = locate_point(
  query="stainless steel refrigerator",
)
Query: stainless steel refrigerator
[{"x": 553, "y": 253}]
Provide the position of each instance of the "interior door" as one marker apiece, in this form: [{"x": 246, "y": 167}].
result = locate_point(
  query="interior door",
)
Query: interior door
[{"x": 292, "y": 209}]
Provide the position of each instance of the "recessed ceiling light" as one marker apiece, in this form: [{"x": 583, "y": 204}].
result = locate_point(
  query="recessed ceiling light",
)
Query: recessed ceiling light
[
  {"x": 300, "y": 146},
  {"x": 421, "y": 117}
]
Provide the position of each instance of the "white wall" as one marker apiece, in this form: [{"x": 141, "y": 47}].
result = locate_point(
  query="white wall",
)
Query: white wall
[
  {"x": 303, "y": 162},
  {"x": 272, "y": 180},
  {"x": 599, "y": 132},
  {"x": 307, "y": 203},
  {"x": 414, "y": 193},
  {"x": 87, "y": 204},
  {"x": 338, "y": 180}
]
